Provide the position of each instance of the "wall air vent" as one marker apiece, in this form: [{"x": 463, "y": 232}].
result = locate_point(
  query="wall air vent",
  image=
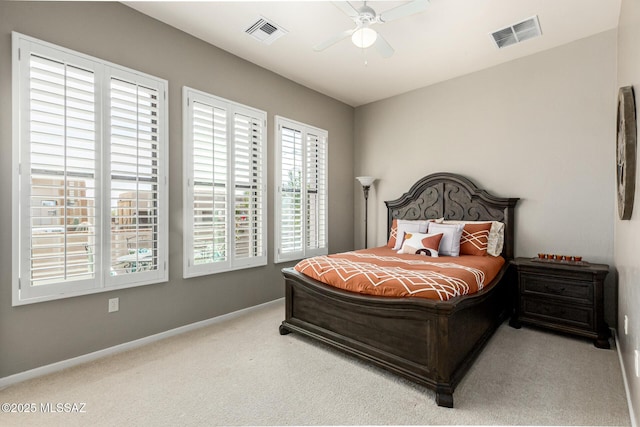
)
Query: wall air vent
[
  {"x": 516, "y": 33},
  {"x": 265, "y": 31}
]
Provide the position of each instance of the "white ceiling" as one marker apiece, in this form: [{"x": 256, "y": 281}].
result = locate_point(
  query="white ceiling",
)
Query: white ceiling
[{"x": 449, "y": 39}]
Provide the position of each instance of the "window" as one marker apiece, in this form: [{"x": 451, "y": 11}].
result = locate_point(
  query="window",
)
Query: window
[
  {"x": 301, "y": 199},
  {"x": 90, "y": 202},
  {"x": 225, "y": 174}
]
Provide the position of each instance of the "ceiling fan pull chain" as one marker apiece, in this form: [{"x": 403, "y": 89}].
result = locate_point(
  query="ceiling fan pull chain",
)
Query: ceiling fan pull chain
[{"x": 364, "y": 54}]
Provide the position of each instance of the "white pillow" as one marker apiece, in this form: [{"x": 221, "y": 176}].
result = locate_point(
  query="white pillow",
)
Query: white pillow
[
  {"x": 496, "y": 235},
  {"x": 417, "y": 242},
  {"x": 450, "y": 243},
  {"x": 409, "y": 226}
]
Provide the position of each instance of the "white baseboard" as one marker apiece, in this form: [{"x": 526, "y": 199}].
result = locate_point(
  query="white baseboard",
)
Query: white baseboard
[
  {"x": 64, "y": 364},
  {"x": 624, "y": 380}
]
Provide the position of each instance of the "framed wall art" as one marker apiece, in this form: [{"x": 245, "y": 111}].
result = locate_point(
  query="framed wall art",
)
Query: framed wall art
[{"x": 626, "y": 151}]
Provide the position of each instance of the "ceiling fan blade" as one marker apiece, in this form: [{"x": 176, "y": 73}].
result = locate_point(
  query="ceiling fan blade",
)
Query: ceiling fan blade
[
  {"x": 404, "y": 10},
  {"x": 333, "y": 40},
  {"x": 383, "y": 47},
  {"x": 346, "y": 7}
]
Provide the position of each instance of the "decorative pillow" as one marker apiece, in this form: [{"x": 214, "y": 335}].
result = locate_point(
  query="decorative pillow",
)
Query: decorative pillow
[
  {"x": 496, "y": 235},
  {"x": 475, "y": 238},
  {"x": 496, "y": 238},
  {"x": 408, "y": 226},
  {"x": 450, "y": 243},
  {"x": 417, "y": 242},
  {"x": 393, "y": 235}
]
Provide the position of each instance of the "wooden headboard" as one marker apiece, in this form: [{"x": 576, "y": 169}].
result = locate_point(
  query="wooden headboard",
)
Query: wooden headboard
[{"x": 454, "y": 197}]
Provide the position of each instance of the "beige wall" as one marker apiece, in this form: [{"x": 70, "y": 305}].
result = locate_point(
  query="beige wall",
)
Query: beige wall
[
  {"x": 39, "y": 334},
  {"x": 541, "y": 128},
  {"x": 627, "y": 233}
]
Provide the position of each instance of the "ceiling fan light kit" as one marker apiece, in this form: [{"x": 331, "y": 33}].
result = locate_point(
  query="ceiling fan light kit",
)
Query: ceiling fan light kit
[{"x": 363, "y": 36}]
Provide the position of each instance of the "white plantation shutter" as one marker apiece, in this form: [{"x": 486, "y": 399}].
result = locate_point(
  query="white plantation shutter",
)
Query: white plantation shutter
[
  {"x": 291, "y": 212},
  {"x": 134, "y": 168},
  {"x": 62, "y": 175},
  {"x": 225, "y": 172},
  {"x": 301, "y": 205},
  {"x": 249, "y": 199},
  {"x": 90, "y": 190},
  {"x": 210, "y": 183},
  {"x": 316, "y": 224}
]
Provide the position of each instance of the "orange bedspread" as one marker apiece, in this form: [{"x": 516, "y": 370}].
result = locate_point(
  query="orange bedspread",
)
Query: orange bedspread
[{"x": 381, "y": 271}]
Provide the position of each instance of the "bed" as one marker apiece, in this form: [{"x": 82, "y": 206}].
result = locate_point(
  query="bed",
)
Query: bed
[{"x": 430, "y": 342}]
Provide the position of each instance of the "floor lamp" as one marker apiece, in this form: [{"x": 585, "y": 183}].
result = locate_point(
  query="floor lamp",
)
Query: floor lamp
[{"x": 366, "y": 182}]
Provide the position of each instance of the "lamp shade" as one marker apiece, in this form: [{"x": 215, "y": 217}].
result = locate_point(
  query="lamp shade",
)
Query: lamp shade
[
  {"x": 366, "y": 181},
  {"x": 364, "y": 37}
]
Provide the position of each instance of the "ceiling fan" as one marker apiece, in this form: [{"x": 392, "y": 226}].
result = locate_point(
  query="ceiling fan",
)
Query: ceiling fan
[{"x": 363, "y": 36}]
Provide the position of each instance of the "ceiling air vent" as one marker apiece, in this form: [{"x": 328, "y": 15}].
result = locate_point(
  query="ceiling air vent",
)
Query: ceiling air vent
[
  {"x": 265, "y": 31},
  {"x": 516, "y": 33}
]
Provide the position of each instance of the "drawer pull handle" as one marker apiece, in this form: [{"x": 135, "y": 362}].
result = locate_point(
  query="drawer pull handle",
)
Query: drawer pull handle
[{"x": 554, "y": 289}]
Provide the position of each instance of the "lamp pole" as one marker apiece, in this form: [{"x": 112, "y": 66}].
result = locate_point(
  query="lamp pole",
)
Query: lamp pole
[
  {"x": 366, "y": 182},
  {"x": 365, "y": 188}
]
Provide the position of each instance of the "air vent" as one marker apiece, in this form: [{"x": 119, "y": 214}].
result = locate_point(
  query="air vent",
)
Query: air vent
[
  {"x": 516, "y": 33},
  {"x": 265, "y": 31}
]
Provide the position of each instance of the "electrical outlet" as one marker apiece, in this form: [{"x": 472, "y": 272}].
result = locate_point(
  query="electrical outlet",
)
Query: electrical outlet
[
  {"x": 626, "y": 324},
  {"x": 637, "y": 370},
  {"x": 114, "y": 304}
]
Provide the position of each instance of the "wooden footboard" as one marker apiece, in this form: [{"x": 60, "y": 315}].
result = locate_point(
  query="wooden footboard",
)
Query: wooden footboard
[{"x": 432, "y": 343}]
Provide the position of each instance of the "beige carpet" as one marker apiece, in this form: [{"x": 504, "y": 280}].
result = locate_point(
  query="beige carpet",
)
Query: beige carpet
[{"x": 242, "y": 372}]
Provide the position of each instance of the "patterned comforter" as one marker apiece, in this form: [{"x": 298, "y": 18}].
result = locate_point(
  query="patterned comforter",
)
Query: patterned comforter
[{"x": 383, "y": 272}]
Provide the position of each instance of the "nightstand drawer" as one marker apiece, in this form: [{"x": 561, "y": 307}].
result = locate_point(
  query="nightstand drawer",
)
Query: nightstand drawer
[
  {"x": 557, "y": 287},
  {"x": 570, "y": 315}
]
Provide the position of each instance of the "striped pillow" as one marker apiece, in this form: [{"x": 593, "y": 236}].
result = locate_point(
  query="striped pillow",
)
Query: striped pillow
[
  {"x": 475, "y": 239},
  {"x": 393, "y": 235}
]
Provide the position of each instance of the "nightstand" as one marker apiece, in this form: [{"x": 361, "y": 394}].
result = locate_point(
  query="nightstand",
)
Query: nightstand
[{"x": 562, "y": 296}]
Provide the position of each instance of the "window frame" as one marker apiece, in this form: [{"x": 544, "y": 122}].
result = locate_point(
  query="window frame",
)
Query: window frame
[
  {"x": 306, "y": 251},
  {"x": 231, "y": 108},
  {"x": 23, "y": 292}
]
